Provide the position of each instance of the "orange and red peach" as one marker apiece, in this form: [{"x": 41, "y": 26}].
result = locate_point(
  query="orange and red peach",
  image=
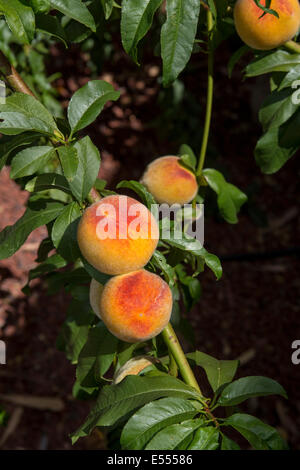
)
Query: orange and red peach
[
  {"x": 117, "y": 235},
  {"x": 266, "y": 32},
  {"x": 136, "y": 306},
  {"x": 169, "y": 182},
  {"x": 133, "y": 367}
]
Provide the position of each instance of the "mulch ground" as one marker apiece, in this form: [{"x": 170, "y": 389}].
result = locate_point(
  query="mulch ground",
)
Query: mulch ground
[{"x": 252, "y": 313}]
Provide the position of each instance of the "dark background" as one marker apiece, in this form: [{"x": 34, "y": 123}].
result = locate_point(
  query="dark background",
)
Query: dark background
[{"x": 252, "y": 313}]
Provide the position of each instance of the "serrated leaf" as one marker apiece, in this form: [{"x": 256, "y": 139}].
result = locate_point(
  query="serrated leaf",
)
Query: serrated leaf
[
  {"x": 74, "y": 331},
  {"x": 260, "y": 435},
  {"x": 230, "y": 198},
  {"x": 64, "y": 232},
  {"x": 136, "y": 20},
  {"x": 37, "y": 214},
  {"x": 9, "y": 144},
  {"x": 116, "y": 401},
  {"x": 87, "y": 169},
  {"x": 52, "y": 263},
  {"x": 278, "y": 145},
  {"x": 218, "y": 372},
  {"x": 206, "y": 438},
  {"x": 96, "y": 356},
  {"x": 246, "y": 387},
  {"x": 278, "y": 61},
  {"x": 176, "y": 436},
  {"x": 153, "y": 417},
  {"x": 20, "y": 19},
  {"x": 177, "y": 36},
  {"x": 277, "y": 108},
  {"x": 186, "y": 150},
  {"x": 24, "y": 113},
  {"x": 142, "y": 192},
  {"x": 87, "y": 103},
  {"x": 75, "y": 9},
  {"x": 48, "y": 181},
  {"x": 229, "y": 444},
  {"x": 107, "y": 6},
  {"x": 69, "y": 161},
  {"x": 51, "y": 25},
  {"x": 29, "y": 161},
  {"x": 159, "y": 260}
]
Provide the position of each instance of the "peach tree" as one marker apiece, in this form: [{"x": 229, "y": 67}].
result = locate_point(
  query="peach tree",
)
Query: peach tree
[{"x": 144, "y": 393}]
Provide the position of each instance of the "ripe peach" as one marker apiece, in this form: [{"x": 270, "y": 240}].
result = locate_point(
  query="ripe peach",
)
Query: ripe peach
[
  {"x": 117, "y": 235},
  {"x": 95, "y": 295},
  {"x": 267, "y": 32},
  {"x": 136, "y": 306},
  {"x": 169, "y": 182},
  {"x": 133, "y": 367}
]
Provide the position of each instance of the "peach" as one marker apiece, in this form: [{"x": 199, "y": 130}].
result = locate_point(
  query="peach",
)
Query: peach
[
  {"x": 169, "y": 182},
  {"x": 267, "y": 32},
  {"x": 95, "y": 295},
  {"x": 136, "y": 306},
  {"x": 133, "y": 367},
  {"x": 117, "y": 235}
]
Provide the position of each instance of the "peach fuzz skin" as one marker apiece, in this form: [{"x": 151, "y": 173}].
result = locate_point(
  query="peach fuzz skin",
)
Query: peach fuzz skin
[
  {"x": 136, "y": 306},
  {"x": 121, "y": 251},
  {"x": 169, "y": 182},
  {"x": 133, "y": 367},
  {"x": 267, "y": 32}
]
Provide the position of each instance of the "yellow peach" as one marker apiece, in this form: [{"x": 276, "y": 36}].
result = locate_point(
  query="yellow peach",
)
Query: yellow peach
[
  {"x": 266, "y": 32},
  {"x": 95, "y": 295},
  {"x": 169, "y": 182},
  {"x": 136, "y": 306},
  {"x": 117, "y": 235}
]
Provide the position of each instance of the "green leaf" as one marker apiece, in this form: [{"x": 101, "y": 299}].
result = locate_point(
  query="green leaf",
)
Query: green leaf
[
  {"x": 25, "y": 113},
  {"x": 74, "y": 332},
  {"x": 140, "y": 189},
  {"x": 185, "y": 150},
  {"x": 87, "y": 170},
  {"x": 53, "y": 263},
  {"x": 40, "y": 6},
  {"x": 48, "y": 181},
  {"x": 235, "y": 58},
  {"x": 75, "y": 9},
  {"x": 246, "y": 387},
  {"x": 206, "y": 438},
  {"x": 9, "y": 144},
  {"x": 87, "y": 103},
  {"x": 116, "y": 401},
  {"x": 265, "y": 8},
  {"x": 230, "y": 198},
  {"x": 96, "y": 356},
  {"x": 29, "y": 161},
  {"x": 64, "y": 232},
  {"x": 69, "y": 161},
  {"x": 37, "y": 214},
  {"x": 194, "y": 247},
  {"x": 177, "y": 37},
  {"x": 277, "y": 109},
  {"x": 176, "y": 436},
  {"x": 94, "y": 273},
  {"x": 260, "y": 435},
  {"x": 153, "y": 417},
  {"x": 51, "y": 25},
  {"x": 20, "y": 19},
  {"x": 292, "y": 75},
  {"x": 107, "y": 6},
  {"x": 218, "y": 372},
  {"x": 160, "y": 262},
  {"x": 229, "y": 444},
  {"x": 136, "y": 20},
  {"x": 278, "y": 61},
  {"x": 277, "y": 145}
]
